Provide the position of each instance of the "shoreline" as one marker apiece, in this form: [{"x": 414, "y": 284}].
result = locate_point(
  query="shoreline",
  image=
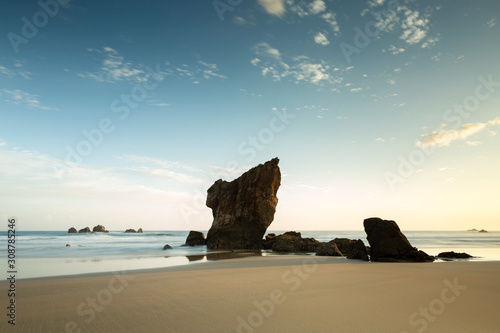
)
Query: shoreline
[{"x": 267, "y": 294}]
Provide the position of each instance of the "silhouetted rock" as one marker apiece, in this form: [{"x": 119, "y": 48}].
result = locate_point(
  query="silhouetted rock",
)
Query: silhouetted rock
[
  {"x": 482, "y": 230},
  {"x": 351, "y": 248},
  {"x": 473, "y": 229},
  {"x": 195, "y": 238},
  {"x": 139, "y": 231},
  {"x": 99, "y": 228},
  {"x": 244, "y": 208},
  {"x": 167, "y": 247},
  {"x": 293, "y": 242},
  {"x": 356, "y": 249},
  {"x": 451, "y": 254},
  {"x": 72, "y": 230},
  {"x": 130, "y": 231},
  {"x": 387, "y": 242},
  {"x": 67, "y": 245},
  {"x": 84, "y": 230},
  {"x": 328, "y": 249}
]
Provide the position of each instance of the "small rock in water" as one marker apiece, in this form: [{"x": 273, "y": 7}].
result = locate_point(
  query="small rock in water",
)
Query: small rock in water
[
  {"x": 452, "y": 254},
  {"x": 67, "y": 245},
  {"x": 167, "y": 247}
]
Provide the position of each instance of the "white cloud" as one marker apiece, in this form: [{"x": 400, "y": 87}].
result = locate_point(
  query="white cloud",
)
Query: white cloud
[
  {"x": 273, "y": 7},
  {"x": 446, "y": 137},
  {"x": 430, "y": 42},
  {"x": 411, "y": 24},
  {"x": 321, "y": 39},
  {"x": 255, "y": 61},
  {"x": 3, "y": 143},
  {"x": 114, "y": 69},
  {"x": 472, "y": 143},
  {"x": 394, "y": 50},
  {"x": 491, "y": 23},
  {"x": 355, "y": 90},
  {"x": 298, "y": 69},
  {"x": 6, "y": 72},
  {"x": 331, "y": 19},
  {"x": 317, "y": 6},
  {"x": 23, "y": 98},
  {"x": 380, "y": 140}
]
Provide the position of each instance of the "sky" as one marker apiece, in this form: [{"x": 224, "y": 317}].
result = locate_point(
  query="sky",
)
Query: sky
[{"x": 123, "y": 113}]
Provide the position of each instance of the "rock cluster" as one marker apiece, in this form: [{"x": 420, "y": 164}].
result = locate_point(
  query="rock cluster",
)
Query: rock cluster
[
  {"x": 452, "y": 254},
  {"x": 244, "y": 208}
]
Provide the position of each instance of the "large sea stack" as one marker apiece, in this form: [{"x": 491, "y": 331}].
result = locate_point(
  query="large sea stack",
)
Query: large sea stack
[
  {"x": 388, "y": 243},
  {"x": 244, "y": 208}
]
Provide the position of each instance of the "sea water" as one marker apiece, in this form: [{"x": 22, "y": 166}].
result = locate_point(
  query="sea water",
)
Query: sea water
[{"x": 45, "y": 253}]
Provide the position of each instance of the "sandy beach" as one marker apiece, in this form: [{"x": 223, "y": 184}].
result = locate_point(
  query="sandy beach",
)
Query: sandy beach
[{"x": 266, "y": 294}]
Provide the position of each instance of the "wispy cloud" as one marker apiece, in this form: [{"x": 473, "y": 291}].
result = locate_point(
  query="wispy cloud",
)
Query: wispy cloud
[
  {"x": 445, "y": 137},
  {"x": 413, "y": 26},
  {"x": 114, "y": 68},
  {"x": 491, "y": 23},
  {"x": 300, "y": 69},
  {"x": 17, "y": 71},
  {"x": 23, "y": 98},
  {"x": 273, "y": 7},
  {"x": 321, "y": 39}
]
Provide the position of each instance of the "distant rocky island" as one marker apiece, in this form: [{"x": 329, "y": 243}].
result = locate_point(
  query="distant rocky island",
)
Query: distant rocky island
[
  {"x": 98, "y": 228},
  {"x": 474, "y": 229}
]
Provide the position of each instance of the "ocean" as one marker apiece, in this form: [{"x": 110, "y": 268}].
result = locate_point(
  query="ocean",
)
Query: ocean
[{"x": 44, "y": 253}]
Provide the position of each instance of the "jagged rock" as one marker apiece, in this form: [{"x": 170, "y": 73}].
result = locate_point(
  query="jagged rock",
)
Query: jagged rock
[
  {"x": 356, "y": 249},
  {"x": 72, "y": 230},
  {"x": 458, "y": 255},
  {"x": 388, "y": 242},
  {"x": 195, "y": 238},
  {"x": 293, "y": 242},
  {"x": 244, "y": 208},
  {"x": 99, "y": 228},
  {"x": 139, "y": 231},
  {"x": 351, "y": 248},
  {"x": 167, "y": 247},
  {"x": 84, "y": 230},
  {"x": 130, "y": 231},
  {"x": 328, "y": 249}
]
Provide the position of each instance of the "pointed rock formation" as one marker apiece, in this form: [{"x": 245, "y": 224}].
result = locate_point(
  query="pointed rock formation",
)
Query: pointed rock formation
[
  {"x": 388, "y": 243},
  {"x": 244, "y": 208}
]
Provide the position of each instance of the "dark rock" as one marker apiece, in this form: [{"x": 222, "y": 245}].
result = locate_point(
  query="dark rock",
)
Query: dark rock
[
  {"x": 356, "y": 249},
  {"x": 244, "y": 208},
  {"x": 482, "y": 230},
  {"x": 99, "y": 228},
  {"x": 84, "y": 230},
  {"x": 473, "y": 229},
  {"x": 328, "y": 249},
  {"x": 67, "y": 245},
  {"x": 72, "y": 230},
  {"x": 195, "y": 238},
  {"x": 167, "y": 247},
  {"x": 130, "y": 231},
  {"x": 451, "y": 254},
  {"x": 295, "y": 245},
  {"x": 139, "y": 231},
  {"x": 388, "y": 242},
  {"x": 351, "y": 248}
]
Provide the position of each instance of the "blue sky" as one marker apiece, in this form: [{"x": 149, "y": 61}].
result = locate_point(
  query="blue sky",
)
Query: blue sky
[{"x": 123, "y": 113}]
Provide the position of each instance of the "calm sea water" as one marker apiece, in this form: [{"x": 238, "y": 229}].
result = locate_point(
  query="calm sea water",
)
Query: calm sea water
[{"x": 44, "y": 253}]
